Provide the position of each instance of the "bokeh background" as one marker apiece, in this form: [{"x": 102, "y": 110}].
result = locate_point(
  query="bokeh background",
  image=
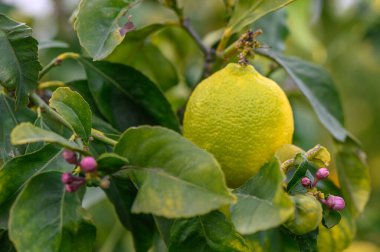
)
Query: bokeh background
[{"x": 341, "y": 35}]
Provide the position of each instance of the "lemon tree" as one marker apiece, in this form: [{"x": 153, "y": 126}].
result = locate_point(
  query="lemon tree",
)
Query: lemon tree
[{"x": 170, "y": 128}]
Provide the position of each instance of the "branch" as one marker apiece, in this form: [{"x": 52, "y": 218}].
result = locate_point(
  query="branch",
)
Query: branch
[
  {"x": 208, "y": 52},
  {"x": 190, "y": 30}
]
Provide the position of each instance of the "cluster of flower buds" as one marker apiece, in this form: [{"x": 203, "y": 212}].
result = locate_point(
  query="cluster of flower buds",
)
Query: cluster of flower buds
[
  {"x": 87, "y": 165},
  {"x": 333, "y": 202},
  {"x": 321, "y": 174},
  {"x": 72, "y": 183}
]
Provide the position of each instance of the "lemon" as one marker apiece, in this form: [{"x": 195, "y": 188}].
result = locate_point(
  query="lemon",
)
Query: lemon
[
  {"x": 287, "y": 151},
  {"x": 241, "y": 117},
  {"x": 307, "y": 215}
]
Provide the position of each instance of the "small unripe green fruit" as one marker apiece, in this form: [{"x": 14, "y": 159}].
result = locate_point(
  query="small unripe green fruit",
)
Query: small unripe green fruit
[
  {"x": 307, "y": 215},
  {"x": 287, "y": 151}
]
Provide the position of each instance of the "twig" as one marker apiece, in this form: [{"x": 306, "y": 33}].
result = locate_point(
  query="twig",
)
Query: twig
[
  {"x": 48, "y": 110},
  {"x": 208, "y": 52},
  {"x": 98, "y": 135},
  {"x": 57, "y": 61},
  {"x": 190, "y": 30}
]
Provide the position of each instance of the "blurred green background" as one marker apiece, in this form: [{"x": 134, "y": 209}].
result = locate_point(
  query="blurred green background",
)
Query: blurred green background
[{"x": 341, "y": 35}]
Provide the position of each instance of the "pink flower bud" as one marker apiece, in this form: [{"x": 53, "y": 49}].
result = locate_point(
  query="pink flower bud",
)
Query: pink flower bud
[
  {"x": 67, "y": 178},
  {"x": 335, "y": 202},
  {"x": 88, "y": 164},
  {"x": 305, "y": 182},
  {"x": 69, "y": 188},
  {"x": 75, "y": 185},
  {"x": 322, "y": 173},
  {"x": 70, "y": 156}
]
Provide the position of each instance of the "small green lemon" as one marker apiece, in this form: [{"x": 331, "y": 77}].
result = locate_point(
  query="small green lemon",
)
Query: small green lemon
[
  {"x": 241, "y": 117},
  {"x": 287, "y": 151},
  {"x": 307, "y": 215}
]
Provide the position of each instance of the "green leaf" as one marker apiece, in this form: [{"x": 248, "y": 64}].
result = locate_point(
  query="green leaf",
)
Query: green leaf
[
  {"x": 353, "y": 175},
  {"x": 56, "y": 223},
  {"x": 52, "y": 44},
  {"x": 272, "y": 240},
  {"x": 211, "y": 232},
  {"x": 98, "y": 25},
  {"x": 74, "y": 109},
  {"x": 28, "y": 133},
  {"x": 180, "y": 48},
  {"x": 163, "y": 226},
  {"x": 300, "y": 170},
  {"x": 275, "y": 30},
  {"x": 81, "y": 86},
  {"x": 262, "y": 203},
  {"x": 318, "y": 87},
  {"x": 306, "y": 242},
  {"x": 126, "y": 97},
  {"x": 248, "y": 11},
  {"x": 10, "y": 117},
  {"x": 122, "y": 193},
  {"x": 330, "y": 217},
  {"x": 147, "y": 58},
  {"x": 32, "y": 147},
  {"x": 17, "y": 171},
  {"x": 19, "y": 59},
  {"x": 339, "y": 237},
  {"x": 106, "y": 128},
  {"x": 175, "y": 178},
  {"x": 110, "y": 162},
  {"x": 5, "y": 244}
]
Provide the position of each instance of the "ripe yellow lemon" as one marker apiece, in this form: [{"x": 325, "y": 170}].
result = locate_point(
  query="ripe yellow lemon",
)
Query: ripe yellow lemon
[{"x": 241, "y": 117}]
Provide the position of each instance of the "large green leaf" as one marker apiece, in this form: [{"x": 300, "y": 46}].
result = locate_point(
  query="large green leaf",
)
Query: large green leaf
[
  {"x": 28, "y": 133},
  {"x": 248, "y": 11},
  {"x": 262, "y": 202},
  {"x": 81, "y": 86},
  {"x": 47, "y": 218},
  {"x": 10, "y": 117},
  {"x": 122, "y": 193},
  {"x": 19, "y": 59},
  {"x": 98, "y": 24},
  {"x": 110, "y": 162},
  {"x": 74, "y": 109},
  {"x": 147, "y": 58},
  {"x": 318, "y": 87},
  {"x": 353, "y": 175},
  {"x": 175, "y": 178},
  {"x": 138, "y": 51},
  {"x": 211, "y": 232},
  {"x": 17, "y": 171},
  {"x": 126, "y": 97},
  {"x": 32, "y": 147}
]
